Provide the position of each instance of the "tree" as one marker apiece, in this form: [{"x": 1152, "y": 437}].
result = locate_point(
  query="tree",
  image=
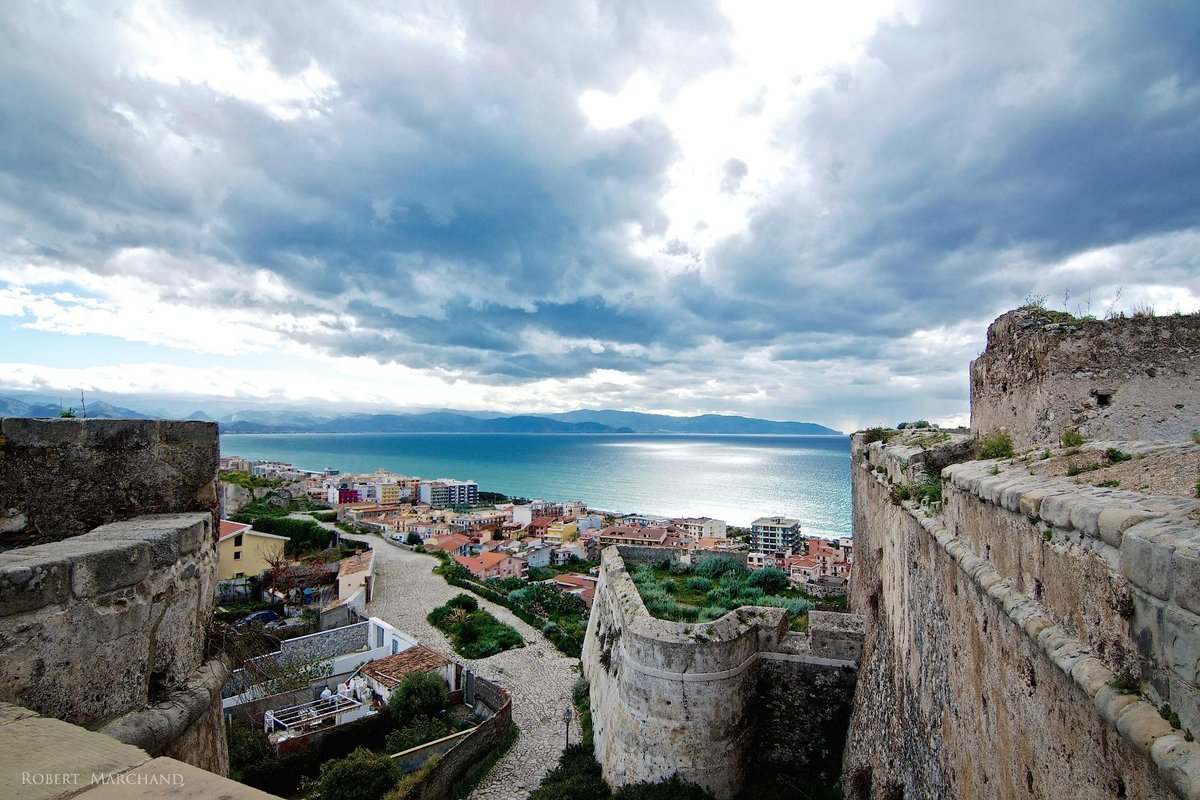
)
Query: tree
[
  {"x": 362, "y": 775},
  {"x": 412, "y": 539},
  {"x": 420, "y": 694}
]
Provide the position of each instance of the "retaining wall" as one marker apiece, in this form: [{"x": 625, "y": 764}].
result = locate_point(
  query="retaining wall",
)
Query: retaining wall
[
  {"x": 455, "y": 765},
  {"x": 996, "y": 627}
]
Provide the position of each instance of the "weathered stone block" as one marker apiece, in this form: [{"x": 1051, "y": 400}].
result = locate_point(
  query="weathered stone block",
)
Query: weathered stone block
[
  {"x": 99, "y": 566},
  {"x": 1115, "y": 520},
  {"x": 1145, "y": 628},
  {"x": 1181, "y": 643},
  {"x": 1148, "y": 564},
  {"x": 169, "y": 536},
  {"x": 31, "y": 579}
]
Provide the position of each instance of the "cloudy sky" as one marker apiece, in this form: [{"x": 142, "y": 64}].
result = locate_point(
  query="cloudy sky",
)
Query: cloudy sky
[{"x": 794, "y": 210}]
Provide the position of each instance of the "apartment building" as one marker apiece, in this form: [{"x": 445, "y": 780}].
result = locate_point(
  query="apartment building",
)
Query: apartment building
[
  {"x": 446, "y": 492},
  {"x": 774, "y": 535},
  {"x": 702, "y": 527}
]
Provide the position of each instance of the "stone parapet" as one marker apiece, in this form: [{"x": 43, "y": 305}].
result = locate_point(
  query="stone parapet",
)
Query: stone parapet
[
  {"x": 63, "y": 477},
  {"x": 1055, "y": 594}
]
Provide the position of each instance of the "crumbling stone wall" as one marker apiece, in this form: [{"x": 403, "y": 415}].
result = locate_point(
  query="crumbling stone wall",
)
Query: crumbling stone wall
[
  {"x": 1119, "y": 379},
  {"x": 673, "y": 698},
  {"x": 996, "y": 629},
  {"x": 62, "y": 477},
  {"x": 104, "y": 619}
]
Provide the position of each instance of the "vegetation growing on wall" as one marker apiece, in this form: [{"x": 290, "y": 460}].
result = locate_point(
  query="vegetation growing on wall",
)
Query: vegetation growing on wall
[{"x": 717, "y": 586}]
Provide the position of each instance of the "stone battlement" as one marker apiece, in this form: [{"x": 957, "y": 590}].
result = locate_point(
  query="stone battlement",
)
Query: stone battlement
[
  {"x": 1018, "y": 613},
  {"x": 711, "y": 701},
  {"x": 104, "y": 614},
  {"x": 1043, "y": 374}
]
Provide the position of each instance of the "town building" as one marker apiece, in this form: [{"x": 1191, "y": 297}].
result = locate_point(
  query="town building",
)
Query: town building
[
  {"x": 446, "y": 492},
  {"x": 563, "y": 530},
  {"x": 244, "y": 552},
  {"x": 702, "y": 527},
  {"x": 493, "y": 564},
  {"x": 774, "y": 535}
]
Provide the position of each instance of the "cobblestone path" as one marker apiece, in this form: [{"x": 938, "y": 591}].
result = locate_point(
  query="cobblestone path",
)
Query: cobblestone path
[{"x": 537, "y": 676}]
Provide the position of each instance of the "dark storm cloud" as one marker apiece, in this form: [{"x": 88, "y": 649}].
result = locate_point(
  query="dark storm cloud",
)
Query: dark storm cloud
[
  {"x": 974, "y": 135},
  {"x": 447, "y": 201}
]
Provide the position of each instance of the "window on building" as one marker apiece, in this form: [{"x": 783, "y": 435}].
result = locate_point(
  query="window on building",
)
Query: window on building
[
  {"x": 237, "y": 555},
  {"x": 237, "y": 540}
]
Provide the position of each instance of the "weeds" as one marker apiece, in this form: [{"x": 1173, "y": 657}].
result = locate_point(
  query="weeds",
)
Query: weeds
[
  {"x": 1072, "y": 439},
  {"x": 1126, "y": 682},
  {"x": 877, "y": 434},
  {"x": 1109, "y": 484},
  {"x": 1116, "y": 456},
  {"x": 1196, "y": 435},
  {"x": 996, "y": 445},
  {"x": 1045, "y": 454},
  {"x": 1170, "y": 715},
  {"x": 1075, "y": 468}
]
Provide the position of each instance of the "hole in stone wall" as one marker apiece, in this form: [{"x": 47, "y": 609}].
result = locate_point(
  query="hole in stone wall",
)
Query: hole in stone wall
[
  {"x": 158, "y": 686},
  {"x": 860, "y": 784},
  {"x": 1037, "y": 589},
  {"x": 1103, "y": 398},
  {"x": 1119, "y": 787},
  {"x": 894, "y": 791}
]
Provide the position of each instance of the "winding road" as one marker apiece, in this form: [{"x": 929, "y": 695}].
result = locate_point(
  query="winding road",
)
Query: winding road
[{"x": 537, "y": 676}]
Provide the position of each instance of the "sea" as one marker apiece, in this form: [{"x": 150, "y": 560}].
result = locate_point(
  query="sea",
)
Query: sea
[{"x": 734, "y": 478}]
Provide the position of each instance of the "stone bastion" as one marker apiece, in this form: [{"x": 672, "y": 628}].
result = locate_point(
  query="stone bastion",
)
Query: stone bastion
[
  {"x": 1043, "y": 374},
  {"x": 107, "y": 578},
  {"x": 712, "y": 702}
]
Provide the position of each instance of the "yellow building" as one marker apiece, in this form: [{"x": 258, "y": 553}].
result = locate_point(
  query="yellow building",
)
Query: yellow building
[
  {"x": 244, "y": 552},
  {"x": 562, "y": 531}
]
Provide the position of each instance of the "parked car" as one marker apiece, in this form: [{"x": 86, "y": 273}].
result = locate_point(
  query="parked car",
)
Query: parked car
[{"x": 257, "y": 618}]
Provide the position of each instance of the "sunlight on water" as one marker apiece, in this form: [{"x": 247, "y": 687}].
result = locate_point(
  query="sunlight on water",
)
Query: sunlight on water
[{"x": 735, "y": 478}]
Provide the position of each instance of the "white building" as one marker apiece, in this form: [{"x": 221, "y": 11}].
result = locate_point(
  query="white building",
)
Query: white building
[
  {"x": 774, "y": 534},
  {"x": 703, "y": 527},
  {"x": 448, "y": 492}
]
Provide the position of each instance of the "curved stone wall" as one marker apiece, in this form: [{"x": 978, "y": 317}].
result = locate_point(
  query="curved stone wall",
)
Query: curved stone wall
[{"x": 672, "y": 698}]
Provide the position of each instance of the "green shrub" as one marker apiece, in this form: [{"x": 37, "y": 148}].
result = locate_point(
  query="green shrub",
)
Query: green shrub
[
  {"x": 877, "y": 434},
  {"x": 677, "y": 567},
  {"x": 362, "y": 775},
  {"x": 420, "y": 694},
  {"x": 796, "y": 606},
  {"x": 927, "y": 488},
  {"x": 1196, "y": 435},
  {"x": 716, "y": 566},
  {"x": 734, "y": 579},
  {"x": 417, "y": 732},
  {"x": 412, "y": 539},
  {"x": 1072, "y": 439},
  {"x": 463, "y": 601},
  {"x": 1116, "y": 456},
  {"x": 698, "y": 584},
  {"x": 770, "y": 579},
  {"x": 674, "y": 788},
  {"x": 750, "y": 595},
  {"x": 1077, "y": 469},
  {"x": 668, "y": 586},
  {"x": 996, "y": 445},
  {"x": 324, "y": 516}
]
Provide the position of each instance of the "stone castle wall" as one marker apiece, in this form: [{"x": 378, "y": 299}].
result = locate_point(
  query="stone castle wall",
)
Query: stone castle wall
[
  {"x": 1131, "y": 379},
  {"x": 997, "y": 626},
  {"x": 106, "y": 625},
  {"x": 673, "y": 698}
]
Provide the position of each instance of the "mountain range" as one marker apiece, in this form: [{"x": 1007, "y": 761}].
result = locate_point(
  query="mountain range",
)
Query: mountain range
[{"x": 444, "y": 421}]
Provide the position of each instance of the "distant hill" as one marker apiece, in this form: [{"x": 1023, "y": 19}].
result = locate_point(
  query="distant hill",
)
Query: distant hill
[
  {"x": 447, "y": 421},
  {"x": 706, "y": 423}
]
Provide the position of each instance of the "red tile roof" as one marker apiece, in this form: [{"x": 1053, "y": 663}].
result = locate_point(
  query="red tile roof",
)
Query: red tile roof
[
  {"x": 229, "y": 528},
  {"x": 450, "y": 543},
  {"x": 390, "y": 671},
  {"x": 360, "y": 562}
]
